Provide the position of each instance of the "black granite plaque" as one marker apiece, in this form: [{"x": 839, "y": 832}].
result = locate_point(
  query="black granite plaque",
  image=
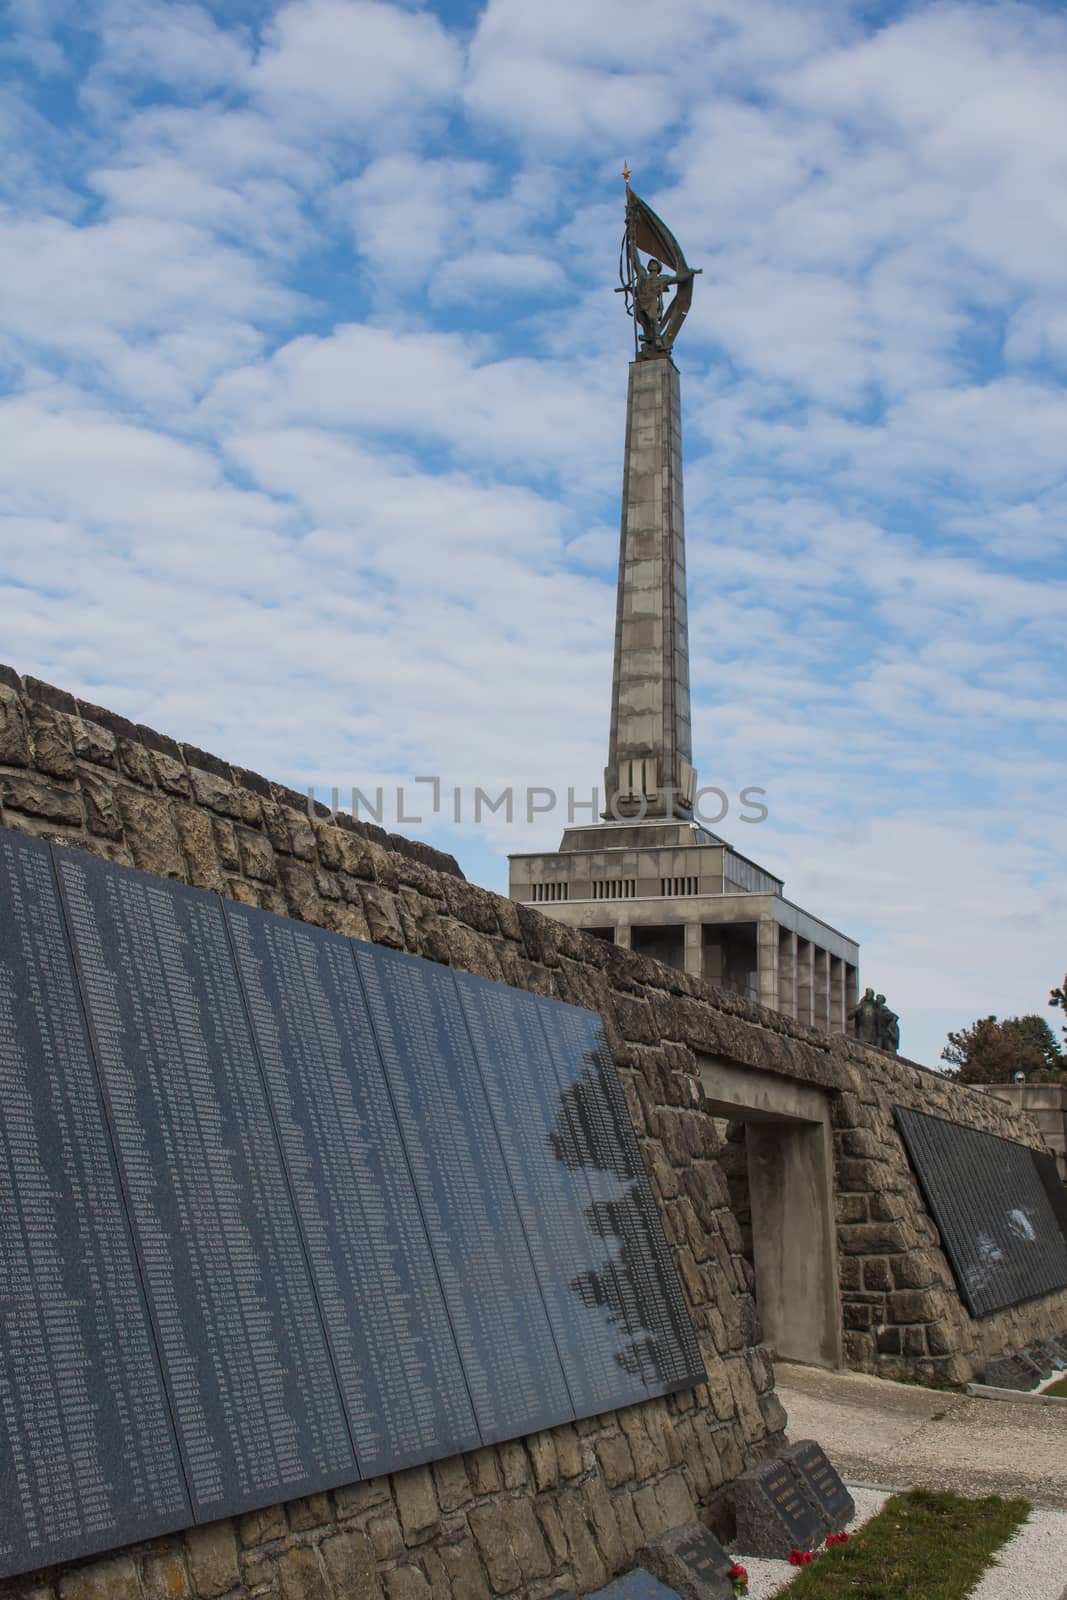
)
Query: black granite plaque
[
  {"x": 596, "y": 1134},
  {"x": 483, "y": 1259},
  {"x": 692, "y": 1561},
  {"x": 1008, "y": 1372},
  {"x": 1049, "y": 1173},
  {"x": 245, "y": 1358},
  {"x": 571, "y": 1257},
  {"x": 392, "y": 1343},
  {"x": 88, "y": 1457},
  {"x": 774, "y": 1515},
  {"x": 822, "y": 1483},
  {"x": 992, "y": 1208}
]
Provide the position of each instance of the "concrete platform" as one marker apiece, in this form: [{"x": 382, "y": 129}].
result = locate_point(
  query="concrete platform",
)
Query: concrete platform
[{"x": 900, "y": 1436}]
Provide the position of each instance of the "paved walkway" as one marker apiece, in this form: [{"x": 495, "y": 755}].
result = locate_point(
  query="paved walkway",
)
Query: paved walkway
[{"x": 898, "y": 1436}]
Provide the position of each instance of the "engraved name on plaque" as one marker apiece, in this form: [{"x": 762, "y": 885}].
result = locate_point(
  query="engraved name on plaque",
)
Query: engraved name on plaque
[
  {"x": 572, "y": 1259},
  {"x": 244, "y": 1353},
  {"x": 88, "y": 1457},
  {"x": 393, "y": 1347},
  {"x": 598, "y": 1130},
  {"x": 513, "y": 1372}
]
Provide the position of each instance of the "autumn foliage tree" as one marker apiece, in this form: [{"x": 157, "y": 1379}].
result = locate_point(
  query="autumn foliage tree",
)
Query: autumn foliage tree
[{"x": 993, "y": 1052}]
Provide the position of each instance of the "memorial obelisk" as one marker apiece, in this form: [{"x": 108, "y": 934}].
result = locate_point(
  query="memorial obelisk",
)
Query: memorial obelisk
[
  {"x": 648, "y": 874},
  {"x": 649, "y": 772}
]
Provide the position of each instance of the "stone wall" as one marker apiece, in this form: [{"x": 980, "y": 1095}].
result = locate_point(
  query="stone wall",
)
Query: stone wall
[{"x": 568, "y": 1508}]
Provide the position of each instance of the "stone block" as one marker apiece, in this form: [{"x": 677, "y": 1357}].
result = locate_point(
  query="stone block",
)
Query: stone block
[
  {"x": 260, "y": 1527},
  {"x": 163, "y": 1576},
  {"x": 311, "y": 1511},
  {"x": 93, "y": 742},
  {"x": 36, "y": 798},
  {"x": 913, "y": 1305},
  {"x": 543, "y": 1460},
  {"x": 349, "y": 1560},
  {"x": 416, "y": 1504},
  {"x": 102, "y": 815},
  {"x": 211, "y": 1552},
  {"x": 198, "y": 843},
  {"x": 386, "y": 1535},
  {"x": 256, "y": 856},
  {"x": 452, "y": 1483},
  {"x": 53, "y": 747},
  {"x": 300, "y": 1576},
  {"x": 171, "y": 774},
  {"x": 586, "y": 1561},
  {"x": 14, "y": 729},
  {"x": 526, "y": 1539},
  {"x": 466, "y": 1575},
  {"x": 104, "y": 1580},
  {"x": 151, "y": 834},
  {"x": 407, "y": 1583},
  {"x": 616, "y": 1460},
  {"x": 489, "y": 1527}
]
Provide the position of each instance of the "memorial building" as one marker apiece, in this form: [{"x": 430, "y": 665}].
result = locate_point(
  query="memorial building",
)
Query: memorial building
[{"x": 650, "y": 876}]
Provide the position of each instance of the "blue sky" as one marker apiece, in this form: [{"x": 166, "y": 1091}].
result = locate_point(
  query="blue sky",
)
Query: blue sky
[{"x": 313, "y": 385}]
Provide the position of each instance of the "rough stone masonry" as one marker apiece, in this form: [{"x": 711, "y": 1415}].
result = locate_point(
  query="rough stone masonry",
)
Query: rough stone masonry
[{"x": 568, "y": 1508}]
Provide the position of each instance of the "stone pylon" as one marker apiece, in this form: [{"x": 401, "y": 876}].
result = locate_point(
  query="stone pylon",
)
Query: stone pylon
[{"x": 650, "y": 750}]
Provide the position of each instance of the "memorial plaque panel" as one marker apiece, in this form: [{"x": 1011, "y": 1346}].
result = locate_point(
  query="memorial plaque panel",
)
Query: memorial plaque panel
[
  {"x": 692, "y": 1561},
  {"x": 245, "y": 1359},
  {"x": 822, "y": 1483},
  {"x": 392, "y": 1343},
  {"x": 597, "y": 1133},
  {"x": 88, "y": 1457},
  {"x": 1049, "y": 1173},
  {"x": 774, "y": 1515},
  {"x": 505, "y": 1342},
  {"x": 572, "y": 1258},
  {"x": 1008, "y": 1372},
  {"x": 994, "y": 1213}
]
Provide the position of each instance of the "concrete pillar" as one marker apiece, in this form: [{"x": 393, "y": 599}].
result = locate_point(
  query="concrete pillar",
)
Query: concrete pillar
[
  {"x": 767, "y": 962},
  {"x": 622, "y": 935},
  {"x": 694, "y": 949},
  {"x": 805, "y": 981},
  {"x": 837, "y": 995},
  {"x": 787, "y": 972},
  {"x": 852, "y": 994},
  {"x": 821, "y": 988},
  {"x": 790, "y": 1180},
  {"x": 651, "y": 743}
]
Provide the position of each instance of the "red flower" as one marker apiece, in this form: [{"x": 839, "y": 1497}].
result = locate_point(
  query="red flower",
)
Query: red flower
[
  {"x": 800, "y": 1558},
  {"x": 837, "y": 1538},
  {"x": 738, "y": 1571}
]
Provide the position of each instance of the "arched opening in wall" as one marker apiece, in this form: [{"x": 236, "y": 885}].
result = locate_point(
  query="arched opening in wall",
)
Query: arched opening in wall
[{"x": 778, "y": 1158}]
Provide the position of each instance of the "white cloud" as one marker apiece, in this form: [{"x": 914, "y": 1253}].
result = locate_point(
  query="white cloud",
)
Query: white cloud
[{"x": 315, "y": 407}]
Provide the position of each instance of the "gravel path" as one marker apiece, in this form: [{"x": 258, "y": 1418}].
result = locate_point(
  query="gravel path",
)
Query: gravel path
[{"x": 905, "y": 1437}]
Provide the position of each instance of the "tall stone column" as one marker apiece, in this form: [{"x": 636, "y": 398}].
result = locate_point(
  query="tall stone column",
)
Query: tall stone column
[{"x": 650, "y": 749}]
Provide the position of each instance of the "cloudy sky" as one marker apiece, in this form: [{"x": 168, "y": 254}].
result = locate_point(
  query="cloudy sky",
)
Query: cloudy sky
[{"x": 313, "y": 389}]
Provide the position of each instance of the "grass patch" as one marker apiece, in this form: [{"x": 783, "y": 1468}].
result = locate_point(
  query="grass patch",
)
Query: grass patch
[
  {"x": 1059, "y": 1389},
  {"x": 920, "y": 1546}
]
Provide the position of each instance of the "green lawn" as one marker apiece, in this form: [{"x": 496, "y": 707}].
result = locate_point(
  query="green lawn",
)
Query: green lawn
[
  {"x": 1058, "y": 1389},
  {"x": 921, "y": 1546}
]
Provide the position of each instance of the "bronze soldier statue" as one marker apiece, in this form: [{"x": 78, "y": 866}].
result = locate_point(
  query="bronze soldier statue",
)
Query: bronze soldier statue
[{"x": 643, "y": 285}]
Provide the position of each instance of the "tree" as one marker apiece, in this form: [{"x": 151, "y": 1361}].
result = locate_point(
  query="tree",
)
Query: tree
[
  {"x": 1058, "y": 997},
  {"x": 1035, "y": 1031},
  {"x": 993, "y": 1052}
]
